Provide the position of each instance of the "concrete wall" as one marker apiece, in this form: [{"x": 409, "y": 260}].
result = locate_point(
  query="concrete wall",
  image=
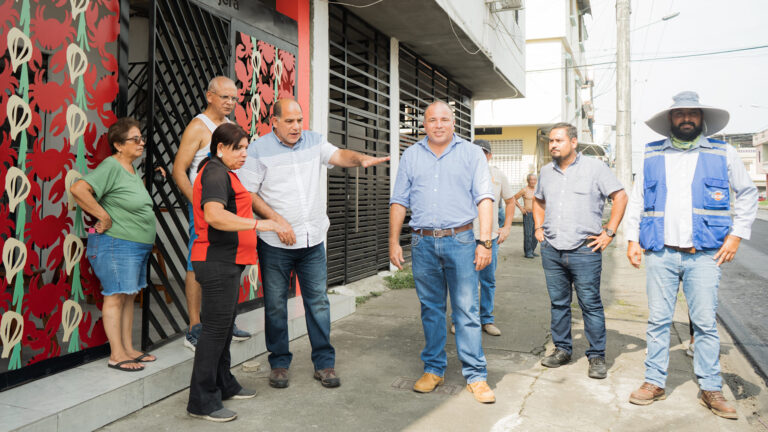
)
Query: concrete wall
[
  {"x": 546, "y": 19},
  {"x": 552, "y": 38},
  {"x": 529, "y": 137},
  {"x": 544, "y": 100},
  {"x": 497, "y": 34}
]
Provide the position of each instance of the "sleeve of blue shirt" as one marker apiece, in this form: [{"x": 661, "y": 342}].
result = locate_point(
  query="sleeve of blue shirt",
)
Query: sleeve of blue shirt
[
  {"x": 481, "y": 179},
  {"x": 539, "y": 191},
  {"x": 607, "y": 182},
  {"x": 402, "y": 193},
  {"x": 252, "y": 173}
]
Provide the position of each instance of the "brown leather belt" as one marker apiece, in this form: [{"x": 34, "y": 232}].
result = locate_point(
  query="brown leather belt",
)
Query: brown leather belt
[
  {"x": 448, "y": 232},
  {"x": 688, "y": 250}
]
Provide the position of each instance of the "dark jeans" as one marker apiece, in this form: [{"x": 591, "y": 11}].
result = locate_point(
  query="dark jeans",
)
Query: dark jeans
[
  {"x": 310, "y": 267},
  {"x": 529, "y": 239},
  {"x": 581, "y": 269},
  {"x": 211, "y": 379}
]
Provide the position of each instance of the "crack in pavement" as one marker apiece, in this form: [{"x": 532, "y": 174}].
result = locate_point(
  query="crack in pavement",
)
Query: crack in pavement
[{"x": 530, "y": 392}]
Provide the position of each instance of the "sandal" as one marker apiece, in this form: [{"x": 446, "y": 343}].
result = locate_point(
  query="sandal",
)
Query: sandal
[
  {"x": 120, "y": 366},
  {"x": 143, "y": 356}
]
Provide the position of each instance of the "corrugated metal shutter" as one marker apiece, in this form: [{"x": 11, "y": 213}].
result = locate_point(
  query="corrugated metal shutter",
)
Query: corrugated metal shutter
[{"x": 358, "y": 119}]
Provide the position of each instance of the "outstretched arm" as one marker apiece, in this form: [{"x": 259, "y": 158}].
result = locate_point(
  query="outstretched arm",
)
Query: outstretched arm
[{"x": 349, "y": 158}]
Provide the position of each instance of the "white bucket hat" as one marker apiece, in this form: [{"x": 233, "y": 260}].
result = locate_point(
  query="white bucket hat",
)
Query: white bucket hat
[{"x": 713, "y": 119}]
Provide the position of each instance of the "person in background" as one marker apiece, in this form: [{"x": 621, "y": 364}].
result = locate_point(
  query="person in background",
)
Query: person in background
[
  {"x": 225, "y": 244},
  {"x": 502, "y": 192},
  {"x": 221, "y": 96},
  {"x": 120, "y": 243},
  {"x": 526, "y": 193}
]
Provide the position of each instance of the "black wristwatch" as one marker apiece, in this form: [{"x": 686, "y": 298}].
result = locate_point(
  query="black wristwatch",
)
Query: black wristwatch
[
  {"x": 610, "y": 233},
  {"x": 488, "y": 244}
]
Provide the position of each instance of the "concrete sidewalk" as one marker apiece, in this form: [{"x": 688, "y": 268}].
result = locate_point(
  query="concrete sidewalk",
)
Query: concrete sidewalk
[{"x": 378, "y": 360}]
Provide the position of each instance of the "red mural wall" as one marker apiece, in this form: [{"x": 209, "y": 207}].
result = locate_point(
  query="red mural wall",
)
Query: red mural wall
[
  {"x": 58, "y": 79},
  {"x": 263, "y": 74}
]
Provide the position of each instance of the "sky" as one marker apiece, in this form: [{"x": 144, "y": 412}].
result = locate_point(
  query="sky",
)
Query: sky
[{"x": 736, "y": 81}]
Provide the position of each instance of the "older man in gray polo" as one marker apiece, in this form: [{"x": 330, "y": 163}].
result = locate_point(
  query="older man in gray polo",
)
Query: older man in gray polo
[{"x": 567, "y": 211}]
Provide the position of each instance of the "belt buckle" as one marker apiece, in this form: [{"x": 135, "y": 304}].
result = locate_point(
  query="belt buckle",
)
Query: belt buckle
[{"x": 438, "y": 233}]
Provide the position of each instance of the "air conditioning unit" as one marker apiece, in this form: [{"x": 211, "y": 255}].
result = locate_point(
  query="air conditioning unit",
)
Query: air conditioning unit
[{"x": 505, "y": 5}]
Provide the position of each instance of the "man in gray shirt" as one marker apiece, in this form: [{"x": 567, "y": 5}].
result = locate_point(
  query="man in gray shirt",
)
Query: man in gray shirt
[{"x": 567, "y": 212}]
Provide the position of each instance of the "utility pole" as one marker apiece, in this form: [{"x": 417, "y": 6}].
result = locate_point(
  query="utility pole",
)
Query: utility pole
[{"x": 623, "y": 101}]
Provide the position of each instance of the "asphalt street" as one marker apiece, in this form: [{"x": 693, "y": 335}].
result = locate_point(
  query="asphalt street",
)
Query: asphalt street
[{"x": 744, "y": 298}]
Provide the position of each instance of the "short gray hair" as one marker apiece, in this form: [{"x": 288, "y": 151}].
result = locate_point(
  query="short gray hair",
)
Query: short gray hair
[{"x": 570, "y": 129}]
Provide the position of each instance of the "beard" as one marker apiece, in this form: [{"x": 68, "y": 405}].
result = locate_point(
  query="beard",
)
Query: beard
[{"x": 686, "y": 136}]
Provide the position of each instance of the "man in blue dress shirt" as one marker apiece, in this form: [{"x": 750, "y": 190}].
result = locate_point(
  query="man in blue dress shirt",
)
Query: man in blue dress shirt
[
  {"x": 446, "y": 183},
  {"x": 568, "y": 214}
]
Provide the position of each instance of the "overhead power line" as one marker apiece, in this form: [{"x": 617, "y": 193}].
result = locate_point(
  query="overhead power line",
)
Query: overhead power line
[{"x": 702, "y": 54}]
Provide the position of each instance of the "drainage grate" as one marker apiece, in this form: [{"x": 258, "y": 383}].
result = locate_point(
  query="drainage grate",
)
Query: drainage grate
[{"x": 404, "y": 383}]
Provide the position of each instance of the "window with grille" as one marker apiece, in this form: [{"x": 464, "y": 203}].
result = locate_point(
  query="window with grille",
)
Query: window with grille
[{"x": 508, "y": 157}]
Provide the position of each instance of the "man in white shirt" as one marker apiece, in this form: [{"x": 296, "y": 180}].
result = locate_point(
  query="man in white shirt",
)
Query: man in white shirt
[
  {"x": 680, "y": 215},
  {"x": 283, "y": 172}
]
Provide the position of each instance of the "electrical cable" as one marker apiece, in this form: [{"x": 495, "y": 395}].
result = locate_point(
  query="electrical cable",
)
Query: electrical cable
[
  {"x": 357, "y": 6},
  {"x": 450, "y": 21},
  {"x": 702, "y": 54}
]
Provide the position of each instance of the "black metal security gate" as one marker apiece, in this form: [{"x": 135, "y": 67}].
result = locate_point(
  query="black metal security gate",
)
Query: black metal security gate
[
  {"x": 358, "y": 119},
  {"x": 188, "y": 45}
]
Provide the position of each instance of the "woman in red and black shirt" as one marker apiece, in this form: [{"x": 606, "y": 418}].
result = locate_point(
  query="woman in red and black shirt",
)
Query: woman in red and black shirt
[{"x": 226, "y": 243}]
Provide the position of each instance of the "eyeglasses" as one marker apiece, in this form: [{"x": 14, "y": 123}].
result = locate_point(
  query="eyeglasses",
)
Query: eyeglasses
[
  {"x": 136, "y": 139},
  {"x": 232, "y": 99}
]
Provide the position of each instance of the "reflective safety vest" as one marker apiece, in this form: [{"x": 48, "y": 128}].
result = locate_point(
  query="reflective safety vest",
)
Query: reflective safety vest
[{"x": 710, "y": 195}]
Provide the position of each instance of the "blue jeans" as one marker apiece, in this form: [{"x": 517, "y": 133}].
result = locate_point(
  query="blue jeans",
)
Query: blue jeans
[
  {"x": 529, "y": 237},
  {"x": 444, "y": 265},
  {"x": 700, "y": 276},
  {"x": 277, "y": 264},
  {"x": 192, "y": 236},
  {"x": 487, "y": 278},
  {"x": 579, "y": 268}
]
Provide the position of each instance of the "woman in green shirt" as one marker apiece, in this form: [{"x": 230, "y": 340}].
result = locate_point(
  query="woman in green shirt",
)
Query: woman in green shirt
[{"x": 121, "y": 241}]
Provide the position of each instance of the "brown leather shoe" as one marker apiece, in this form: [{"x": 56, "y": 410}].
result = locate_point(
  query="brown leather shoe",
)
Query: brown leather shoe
[
  {"x": 715, "y": 401},
  {"x": 647, "y": 394},
  {"x": 491, "y": 329},
  {"x": 278, "y": 378},
  {"x": 427, "y": 383},
  {"x": 327, "y": 377},
  {"x": 481, "y": 391}
]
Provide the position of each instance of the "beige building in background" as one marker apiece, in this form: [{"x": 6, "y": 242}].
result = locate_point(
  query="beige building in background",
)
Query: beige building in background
[{"x": 558, "y": 89}]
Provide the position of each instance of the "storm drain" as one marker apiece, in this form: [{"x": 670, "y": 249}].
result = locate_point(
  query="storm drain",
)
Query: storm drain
[{"x": 404, "y": 383}]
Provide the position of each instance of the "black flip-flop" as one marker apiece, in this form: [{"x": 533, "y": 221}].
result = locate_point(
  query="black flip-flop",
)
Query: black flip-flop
[
  {"x": 119, "y": 366},
  {"x": 143, "y": 356}
]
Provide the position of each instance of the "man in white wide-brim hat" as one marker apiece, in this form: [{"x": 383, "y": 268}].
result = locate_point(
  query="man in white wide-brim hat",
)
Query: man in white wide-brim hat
[{"x": 680, "y": 215}]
